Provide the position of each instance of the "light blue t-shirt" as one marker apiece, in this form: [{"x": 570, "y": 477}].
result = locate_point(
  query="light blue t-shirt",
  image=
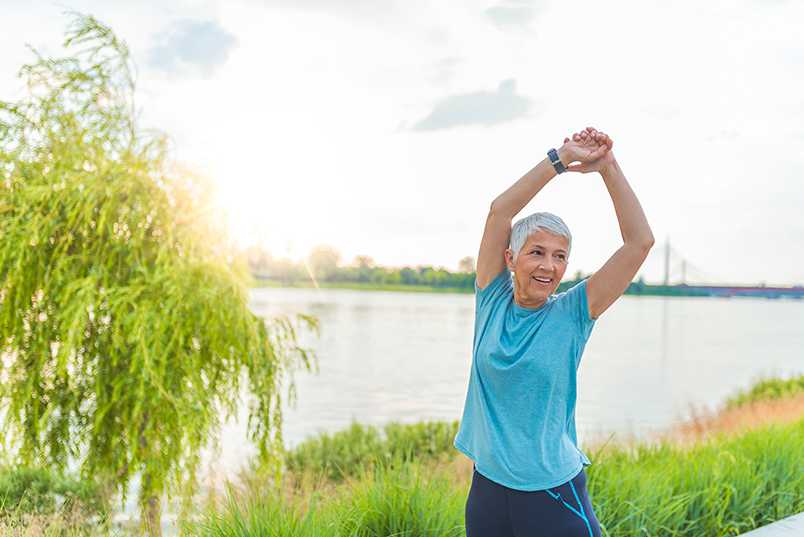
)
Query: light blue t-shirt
[{"x": 518, "y": 423}]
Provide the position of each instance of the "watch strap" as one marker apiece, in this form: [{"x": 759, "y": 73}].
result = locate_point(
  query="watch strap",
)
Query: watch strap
[{"x": 555, "y": 161}]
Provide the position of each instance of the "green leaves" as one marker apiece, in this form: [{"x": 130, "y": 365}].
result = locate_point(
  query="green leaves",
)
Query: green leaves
[{"x": 124, "y": 323}]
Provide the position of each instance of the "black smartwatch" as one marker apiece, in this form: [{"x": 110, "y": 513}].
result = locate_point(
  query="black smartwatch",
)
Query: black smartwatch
[{"x": 555, "y": 161}]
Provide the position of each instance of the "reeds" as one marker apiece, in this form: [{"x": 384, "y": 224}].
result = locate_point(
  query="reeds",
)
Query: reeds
[
  {"x": 726, "y": 486},
  {"x": 768, "y": 389},
  {"x": 408, "y": 481},
  {"x": 361, "y": 447},
  {"x": 264, "y": 515},
  {"x": 406, "y": 499}
]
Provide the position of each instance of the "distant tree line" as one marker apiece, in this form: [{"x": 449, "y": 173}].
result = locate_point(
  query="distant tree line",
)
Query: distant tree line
[
  {"x": 639, "y": 287},
  {"x": 324, "y": 263}
]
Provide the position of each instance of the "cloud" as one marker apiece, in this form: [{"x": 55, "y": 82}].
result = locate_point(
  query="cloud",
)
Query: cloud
[
  {"x": 442, "y": 70},
  {"x": 193, "y": 47},
  {"x": 481, "y": 107},
  {"x": 510, "y": 12}
]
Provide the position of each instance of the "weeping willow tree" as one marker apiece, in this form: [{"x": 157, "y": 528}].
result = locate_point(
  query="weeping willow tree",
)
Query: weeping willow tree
[{"x": 125, "y": 333}]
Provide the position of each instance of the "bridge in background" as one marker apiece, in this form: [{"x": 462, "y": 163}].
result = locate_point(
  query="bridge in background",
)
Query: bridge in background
[
  {"x": 680, "y": 269},
  {"x": 729, "y": 291}
]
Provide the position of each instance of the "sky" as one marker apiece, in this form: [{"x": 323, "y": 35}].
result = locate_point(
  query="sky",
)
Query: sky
[{"x": 386, "y": 127}]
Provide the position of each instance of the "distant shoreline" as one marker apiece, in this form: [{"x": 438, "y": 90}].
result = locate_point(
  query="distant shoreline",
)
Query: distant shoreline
[
  {"x": 635, "y": 289},
  {"x": 364, "y": 286}
]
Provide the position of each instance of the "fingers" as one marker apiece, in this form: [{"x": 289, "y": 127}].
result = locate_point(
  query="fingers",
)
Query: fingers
[
  {"x": 599, "y": 152},
  {"x": 593, "y": 138},
  {"x": 599, "y": 137},
  {"x": 604, "y": 139}
]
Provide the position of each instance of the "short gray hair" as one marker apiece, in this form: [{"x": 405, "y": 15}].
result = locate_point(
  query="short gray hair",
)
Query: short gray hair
[{"x": 544, "y": 222}]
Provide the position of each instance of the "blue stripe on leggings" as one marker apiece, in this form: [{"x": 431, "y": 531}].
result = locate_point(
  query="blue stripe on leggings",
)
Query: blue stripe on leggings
[{"x": 571, "y": 508}]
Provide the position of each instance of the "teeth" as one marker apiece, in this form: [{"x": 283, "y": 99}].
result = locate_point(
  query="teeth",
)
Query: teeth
[{"x": 546, "y": 280}]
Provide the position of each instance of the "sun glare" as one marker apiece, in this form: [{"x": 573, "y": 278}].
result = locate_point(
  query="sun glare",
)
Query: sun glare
[
  {"x": 283, "y": 230},
  {"x": 286, "y": 200}
]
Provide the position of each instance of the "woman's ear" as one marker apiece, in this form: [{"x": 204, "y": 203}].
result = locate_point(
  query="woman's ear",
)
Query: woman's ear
[{"x": 509, "y": 259}]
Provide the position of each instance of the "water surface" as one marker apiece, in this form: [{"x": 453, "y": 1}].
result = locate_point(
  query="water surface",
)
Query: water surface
[{"x": 406, "y": 356}]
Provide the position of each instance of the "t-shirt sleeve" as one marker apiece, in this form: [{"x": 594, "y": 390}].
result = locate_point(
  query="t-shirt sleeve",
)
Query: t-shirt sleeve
[
  {"x": 494, "y": 290},
  {"x": 576, "y": 304}
]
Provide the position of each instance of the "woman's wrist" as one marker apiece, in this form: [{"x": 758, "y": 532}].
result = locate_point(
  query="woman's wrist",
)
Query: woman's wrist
[
  {"x": 564, "y": 155},
  {"x": 610, "y": 168}
]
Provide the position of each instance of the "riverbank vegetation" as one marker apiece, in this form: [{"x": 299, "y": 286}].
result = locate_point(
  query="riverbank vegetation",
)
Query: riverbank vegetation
[
  {"x": 768, "y": 389},
  {"x": 723, "y": 482},
  {"x": 407, "y": 480}
]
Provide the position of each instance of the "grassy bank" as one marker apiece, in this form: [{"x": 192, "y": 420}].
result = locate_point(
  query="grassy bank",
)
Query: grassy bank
[
  {"x": 407, "y": 480},
  {"x": 726, "y": 486},
  {"x": 768, "y": 389},
  {"x": 711, "y": 483}
]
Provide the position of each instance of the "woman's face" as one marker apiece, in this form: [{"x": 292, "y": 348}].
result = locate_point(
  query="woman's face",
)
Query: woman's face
[{"x": 538, "y": 269}]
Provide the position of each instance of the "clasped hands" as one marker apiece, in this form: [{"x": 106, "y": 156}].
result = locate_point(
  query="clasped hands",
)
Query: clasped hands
[{"x": 591, "y": 148}]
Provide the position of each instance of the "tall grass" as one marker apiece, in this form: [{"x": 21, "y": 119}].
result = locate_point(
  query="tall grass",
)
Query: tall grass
[
  {"x": 361, "y": 447},
  {"x": 408, "y": 481},
  {"x": 724, "y": 487},
  {"x": 261, "y": 515},
  {"x": 403, "y": 501},
  {"x": 406, "y": 499},
  {"x": 768, "y": 389}
]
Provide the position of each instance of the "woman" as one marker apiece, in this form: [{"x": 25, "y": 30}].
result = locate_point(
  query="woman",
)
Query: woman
[{"x": 519, "y": 420}]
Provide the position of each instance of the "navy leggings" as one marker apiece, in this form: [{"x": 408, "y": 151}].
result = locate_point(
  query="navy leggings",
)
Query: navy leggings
[{"x": 493, "y": 510}]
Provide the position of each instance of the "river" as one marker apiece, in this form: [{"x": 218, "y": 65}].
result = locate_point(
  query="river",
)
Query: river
[{"x": 386, "y": 356}]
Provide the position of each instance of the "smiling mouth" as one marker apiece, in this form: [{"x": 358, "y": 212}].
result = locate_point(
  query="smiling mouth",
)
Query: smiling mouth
[{"x": 543, "y": 281}]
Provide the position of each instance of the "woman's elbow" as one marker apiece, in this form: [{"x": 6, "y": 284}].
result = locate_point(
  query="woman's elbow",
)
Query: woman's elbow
[
  {"x": 641, "y": 243},
  {"x": 495, "y": 208},
  {"x": 647, "y": 242}
]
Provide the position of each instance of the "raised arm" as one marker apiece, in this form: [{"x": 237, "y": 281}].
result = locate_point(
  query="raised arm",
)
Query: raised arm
[
  {"x": 610, "y": 282},
  {"x": 496, "y": 235}
]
